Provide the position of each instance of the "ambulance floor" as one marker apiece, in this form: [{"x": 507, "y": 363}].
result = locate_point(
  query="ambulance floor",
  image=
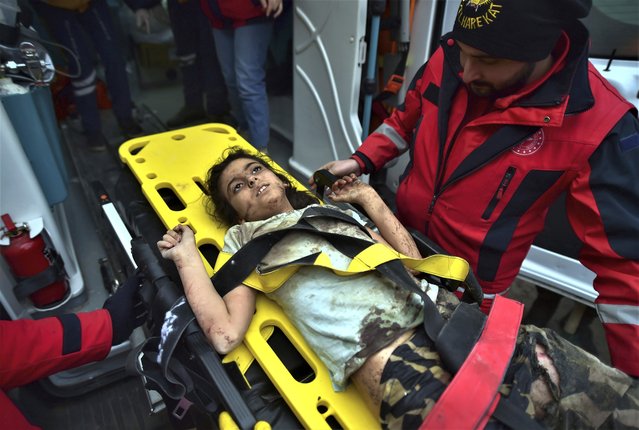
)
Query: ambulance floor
[{"x": 118, "y": 406}]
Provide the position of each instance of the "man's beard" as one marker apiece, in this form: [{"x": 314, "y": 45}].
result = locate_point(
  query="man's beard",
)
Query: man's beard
[{"x": 486, "y": 89}]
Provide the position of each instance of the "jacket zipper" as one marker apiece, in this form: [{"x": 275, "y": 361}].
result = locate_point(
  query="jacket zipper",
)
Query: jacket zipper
[
  {"x": 440, "y": 170},
  {"x": 503, "y": 185}
]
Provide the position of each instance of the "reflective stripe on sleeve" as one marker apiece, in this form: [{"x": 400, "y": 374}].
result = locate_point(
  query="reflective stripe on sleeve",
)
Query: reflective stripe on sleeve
[
  {"x": 618, "y": 314},
  {"x": 394, "y": 136},
  {"x": 84, "y": 91},
  {"x": 89, "y": 80}
]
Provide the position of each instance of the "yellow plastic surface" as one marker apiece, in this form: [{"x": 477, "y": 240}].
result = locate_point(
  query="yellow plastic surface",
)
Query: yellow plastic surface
[{"x": 178, "y": 161}]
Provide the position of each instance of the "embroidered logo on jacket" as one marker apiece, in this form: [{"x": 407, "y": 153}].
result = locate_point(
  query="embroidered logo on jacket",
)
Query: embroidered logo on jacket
[
  {"x": 474, "y": 14},
  {"x": 530, "y": 145}
]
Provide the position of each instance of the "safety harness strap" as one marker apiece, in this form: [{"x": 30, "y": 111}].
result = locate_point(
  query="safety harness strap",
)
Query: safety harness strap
[
  {"x": 156, "y": 364},
  {"x": 467, "y": 403},
  {"x": 233, "y": 269}
]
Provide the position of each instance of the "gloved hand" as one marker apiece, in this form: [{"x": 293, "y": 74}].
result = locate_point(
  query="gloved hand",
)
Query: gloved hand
[{"x": 126, "y": 308}]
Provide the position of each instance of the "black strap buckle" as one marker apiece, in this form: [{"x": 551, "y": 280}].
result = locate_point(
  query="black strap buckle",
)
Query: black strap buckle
[{"x": 323, "y": 179}]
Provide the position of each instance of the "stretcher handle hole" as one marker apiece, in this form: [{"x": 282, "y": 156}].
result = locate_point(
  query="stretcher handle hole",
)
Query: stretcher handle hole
[
  {"x": 218, "y": 130},
  {"x": 291, "y": 358},
  {"x": 330, "y": 419},
  {"x": 137, "y": 147},
  {"x": 171, "y": 199},
  {"x": 209, "y": 252},
  {"x": 201, "y": 186}
]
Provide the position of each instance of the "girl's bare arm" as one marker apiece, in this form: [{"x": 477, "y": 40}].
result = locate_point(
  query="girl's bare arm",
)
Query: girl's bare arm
[
  {"x": 349, "y": 189},
  {"x": 224, "y": 320}
]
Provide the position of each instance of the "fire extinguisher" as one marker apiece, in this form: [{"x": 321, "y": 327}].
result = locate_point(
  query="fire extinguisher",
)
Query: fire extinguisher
[{"x": 37, "y": 267}]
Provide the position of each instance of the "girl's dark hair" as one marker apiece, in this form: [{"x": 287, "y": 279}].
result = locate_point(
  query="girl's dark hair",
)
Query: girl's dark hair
[{"x": 220, "y": 209}]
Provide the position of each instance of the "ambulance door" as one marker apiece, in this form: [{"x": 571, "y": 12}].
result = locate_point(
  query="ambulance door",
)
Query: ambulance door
[{"x": 328, "y": 53}]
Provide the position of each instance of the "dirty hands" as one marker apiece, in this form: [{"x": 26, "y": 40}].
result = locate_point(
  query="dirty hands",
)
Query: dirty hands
[
  {"x": 338, "y": 168},
  {"x": 178, "y": 245},
  {"x": 349, "y": 189},
  {"x": 143, "y": 20},
  {"x": 273, "y": 7}
]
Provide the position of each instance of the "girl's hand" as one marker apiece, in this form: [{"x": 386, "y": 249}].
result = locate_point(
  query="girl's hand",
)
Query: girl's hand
[
  {"x": 350, "y": 189},
  {"x": 178, "y": 243}
]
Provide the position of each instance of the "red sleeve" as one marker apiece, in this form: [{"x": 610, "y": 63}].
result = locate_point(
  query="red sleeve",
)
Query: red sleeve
[
  {"x": 391, "y": 139},
  {"x": 603, "y": 208},
  {"x": 32, "y": 349}
]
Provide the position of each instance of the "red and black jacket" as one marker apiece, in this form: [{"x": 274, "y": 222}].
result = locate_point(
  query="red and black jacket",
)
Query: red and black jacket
[
  {"x": 481, "y": 188},
  {"x": 233, "y": 13},
  {"x": 33, "y": 349}
]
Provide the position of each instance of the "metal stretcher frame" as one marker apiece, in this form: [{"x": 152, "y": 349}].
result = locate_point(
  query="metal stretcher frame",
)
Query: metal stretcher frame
[{"x": 175, "y": 164}]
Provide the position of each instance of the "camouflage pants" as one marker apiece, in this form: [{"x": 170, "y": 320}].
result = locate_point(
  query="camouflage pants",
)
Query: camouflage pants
[{"x": 589, "y": 394}]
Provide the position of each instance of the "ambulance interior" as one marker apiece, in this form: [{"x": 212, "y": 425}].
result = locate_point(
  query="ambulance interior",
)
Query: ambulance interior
[{"x": 329, "y": 60}]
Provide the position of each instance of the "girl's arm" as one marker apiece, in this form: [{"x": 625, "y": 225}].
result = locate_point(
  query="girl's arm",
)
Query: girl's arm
[
  {"x": 224, "y": 320},
  {"x": 349, "y": 189}
]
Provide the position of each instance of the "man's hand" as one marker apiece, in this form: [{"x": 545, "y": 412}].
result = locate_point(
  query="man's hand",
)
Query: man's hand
[
  {"x": 338, "y": 168},
  {"x": 126, "y": 309}
]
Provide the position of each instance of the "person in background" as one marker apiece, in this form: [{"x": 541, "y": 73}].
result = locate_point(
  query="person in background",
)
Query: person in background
[
  {"x": 205, "y": 97},
  {"x": 506, "y": 116},
  {"x": 34, "y": 349},
  {"x": 82, "y": 26},
  {"x": 242, "y": 30}
]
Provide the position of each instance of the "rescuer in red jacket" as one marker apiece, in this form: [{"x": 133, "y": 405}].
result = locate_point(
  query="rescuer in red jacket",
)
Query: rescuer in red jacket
[
  {"x": 33, "y": 349},
  {"x": 506, "y": 116}
]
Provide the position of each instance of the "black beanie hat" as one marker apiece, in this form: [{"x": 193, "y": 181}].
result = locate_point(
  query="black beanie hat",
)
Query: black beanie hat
[{"x": 521, "y": 30}]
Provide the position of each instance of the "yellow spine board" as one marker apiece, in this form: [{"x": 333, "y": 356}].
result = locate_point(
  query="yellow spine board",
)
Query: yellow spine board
[{"x": 175, "y": 163}]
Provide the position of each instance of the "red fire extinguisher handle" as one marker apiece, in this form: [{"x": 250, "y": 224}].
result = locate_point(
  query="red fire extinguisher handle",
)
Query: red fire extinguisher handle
[{"x": 8, "y": 222}]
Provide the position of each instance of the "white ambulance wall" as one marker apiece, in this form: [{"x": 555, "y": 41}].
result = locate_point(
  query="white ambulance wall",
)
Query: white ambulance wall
[
  {"x": 328, "y": 52},
  {"x": 622, "y": 74}
]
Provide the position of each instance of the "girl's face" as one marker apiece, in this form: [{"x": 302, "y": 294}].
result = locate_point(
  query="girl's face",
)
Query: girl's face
[{"x": 253, "y": 190}]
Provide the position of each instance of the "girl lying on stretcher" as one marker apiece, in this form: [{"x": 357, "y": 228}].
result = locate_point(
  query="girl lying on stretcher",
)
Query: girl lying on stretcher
[{"x": 366, "y": 328}]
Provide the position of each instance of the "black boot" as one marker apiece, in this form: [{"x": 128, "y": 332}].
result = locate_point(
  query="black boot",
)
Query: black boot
[
  {"x": 129, "y": 127},
  {"x": 185, "y": 116},
  {"x": 96, "y": 141}
]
